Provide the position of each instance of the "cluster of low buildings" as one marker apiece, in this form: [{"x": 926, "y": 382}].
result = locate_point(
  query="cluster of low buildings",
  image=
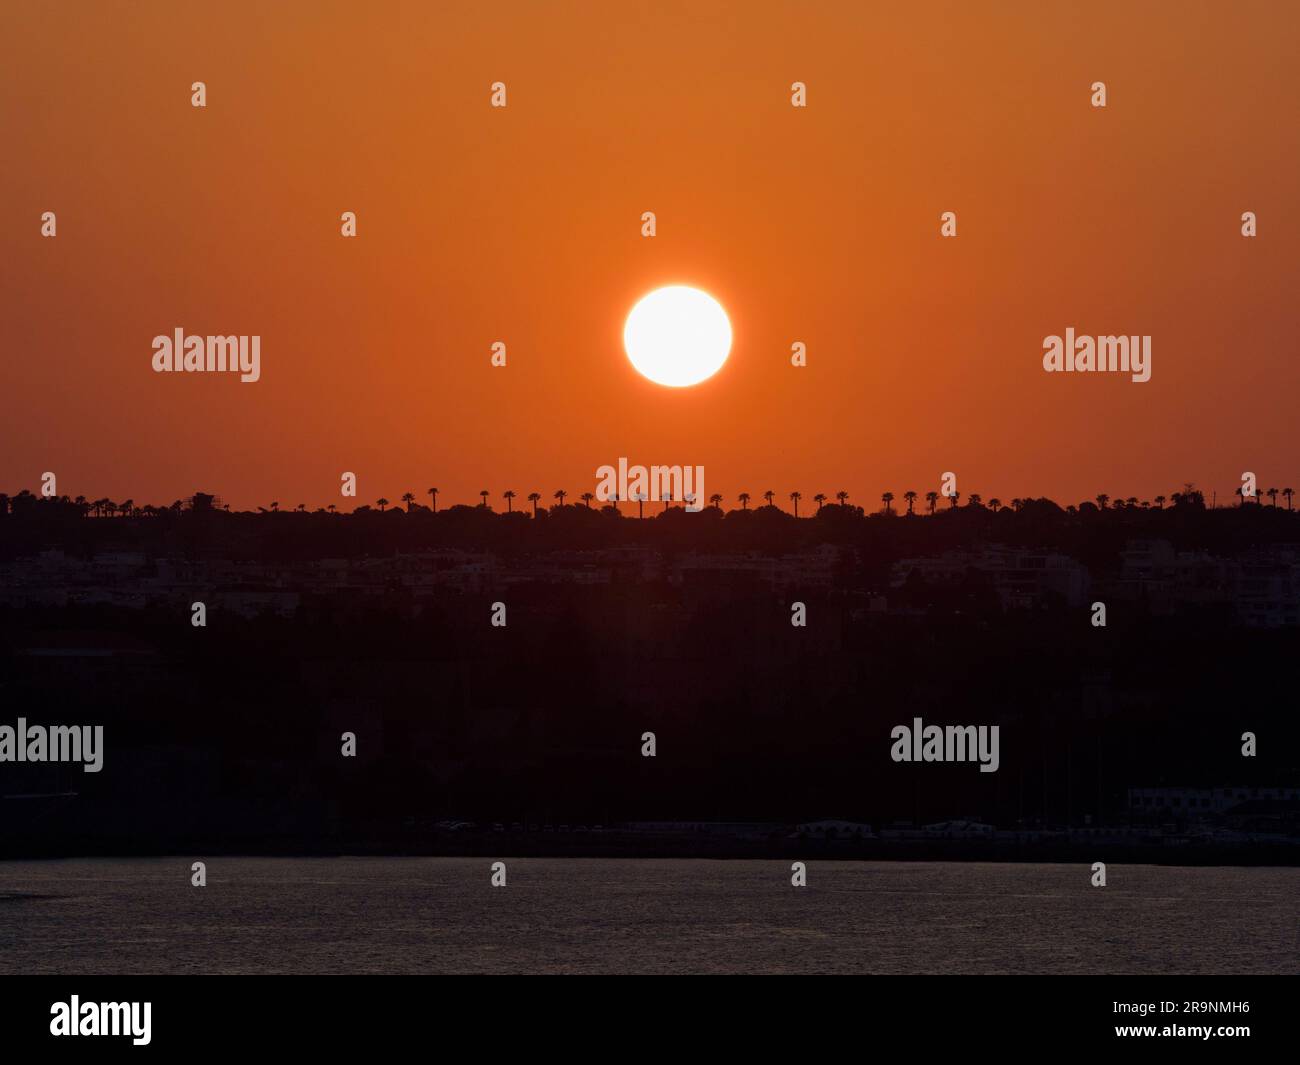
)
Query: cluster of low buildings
[
  {"x": 1260, "y": 587},
  {"x": 1234, "y": 805},
  {"x": 249, "y": 588},
  {"x": 1023, "y": 577},
  {"x": 1157, "y": 816}
]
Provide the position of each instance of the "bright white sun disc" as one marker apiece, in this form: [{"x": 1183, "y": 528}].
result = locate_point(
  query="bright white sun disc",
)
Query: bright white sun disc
[{"x": 677, "y": 336}]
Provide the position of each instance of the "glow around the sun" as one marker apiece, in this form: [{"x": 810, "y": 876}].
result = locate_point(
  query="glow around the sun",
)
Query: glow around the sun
[{"x": 677, "y": 336}]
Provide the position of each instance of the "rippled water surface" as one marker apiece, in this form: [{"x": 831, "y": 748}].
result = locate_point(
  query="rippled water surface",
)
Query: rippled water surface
[{"x": 441, "y": 915}]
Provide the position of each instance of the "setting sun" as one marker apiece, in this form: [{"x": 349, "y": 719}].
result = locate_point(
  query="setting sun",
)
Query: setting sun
[{"x": 677, "y": 336}]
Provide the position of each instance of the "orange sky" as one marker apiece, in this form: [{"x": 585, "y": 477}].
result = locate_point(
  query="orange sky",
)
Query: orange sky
[{"x": 523, "y": 225}]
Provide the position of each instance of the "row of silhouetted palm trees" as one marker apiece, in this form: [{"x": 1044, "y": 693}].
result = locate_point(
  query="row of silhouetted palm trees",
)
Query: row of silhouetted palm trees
[
  {"x": 107, "y": 508},
  {"x": 932, "y": 500}
]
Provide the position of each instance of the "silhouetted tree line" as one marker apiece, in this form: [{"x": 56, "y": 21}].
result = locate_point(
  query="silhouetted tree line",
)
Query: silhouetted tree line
[{"x": 1092, "y": 531}]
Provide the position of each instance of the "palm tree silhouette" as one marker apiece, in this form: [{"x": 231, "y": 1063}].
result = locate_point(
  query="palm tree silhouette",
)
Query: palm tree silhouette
[
  {"x": 560, "y": 496},
  {"x": 744, "y": 500},
  {"x": 995, "y": 504},
  {"x": 1160, "y": 502},
  {"x": 888, "y": 499},
  {"x": 331, "y": 508},
  {"x": 1272, "y": 495},
  {"x": 408, "y": 498},
  {"x": 952, "y": 500},
  {"x": 509, "y": 495},
  {"x": 716, "y": 500},
  {"x": 911, "y": 500},
  {"x": 276, "y": 506},
  {"x": 1102, "y": 500},
  {"x": 820, "y": 500},
  {"x": 433, "y": 497},
  {"x": 975, "y": 500},
  {"x": 483, "y": 493},
  {"x": 794, "y": 498},
  {"x": 769, "y": 495},
  {"x": 587, "y": 497},
  {"x": 534, "y": 498},
  {"x": 1288, "y": 493},
  {"x": 380, "y": 502},
  {"x": 933, "y": 499},
  {"x": 842, "y": 497}
]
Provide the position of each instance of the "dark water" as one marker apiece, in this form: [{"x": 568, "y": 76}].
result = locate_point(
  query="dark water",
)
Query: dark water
[{"x": 441, "y": 915}]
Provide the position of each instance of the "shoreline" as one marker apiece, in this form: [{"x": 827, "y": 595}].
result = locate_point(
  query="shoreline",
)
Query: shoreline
[{"x": 620, "y": 846}]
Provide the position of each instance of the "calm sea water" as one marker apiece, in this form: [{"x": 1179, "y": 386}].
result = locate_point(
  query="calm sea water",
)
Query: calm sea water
[{"x": 440, "y": 915}]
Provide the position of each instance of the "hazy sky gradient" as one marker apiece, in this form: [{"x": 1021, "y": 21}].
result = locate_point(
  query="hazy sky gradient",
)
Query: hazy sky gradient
[{"x": 523, "y": 225}]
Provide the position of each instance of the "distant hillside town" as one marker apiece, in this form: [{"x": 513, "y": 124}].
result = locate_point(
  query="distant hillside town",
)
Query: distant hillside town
[{"x": 1241, "y": 561}]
